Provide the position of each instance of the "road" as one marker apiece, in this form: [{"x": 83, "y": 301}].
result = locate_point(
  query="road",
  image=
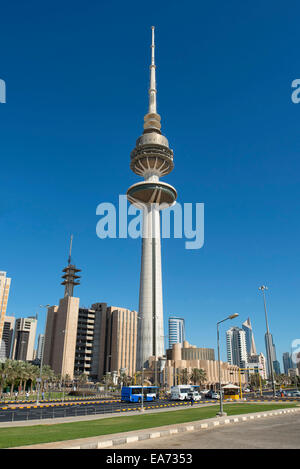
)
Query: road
[
  {"x": 13, "y": 413},
  {"x": 30, "y": 411},
  {"x": 282, "y": 432}
]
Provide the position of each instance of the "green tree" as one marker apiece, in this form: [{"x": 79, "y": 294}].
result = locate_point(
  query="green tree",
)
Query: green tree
[{"x": 198, "y": 376}]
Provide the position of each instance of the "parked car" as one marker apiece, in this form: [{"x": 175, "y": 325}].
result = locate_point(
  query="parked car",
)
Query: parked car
[
  {"x": 294, "y": 394},
  {"x": 195, "y": 395},
  {"x": 212, "y": 395}
]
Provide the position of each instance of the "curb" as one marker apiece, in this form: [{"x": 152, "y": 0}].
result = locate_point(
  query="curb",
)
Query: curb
[{"x": 132, "y": 437}]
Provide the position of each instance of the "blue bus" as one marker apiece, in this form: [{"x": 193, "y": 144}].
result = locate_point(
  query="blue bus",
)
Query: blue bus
[{"x": 134, "y": 393}]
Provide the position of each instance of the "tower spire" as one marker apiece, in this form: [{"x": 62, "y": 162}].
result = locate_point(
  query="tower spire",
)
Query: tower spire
[
  {"x": 152, "y": 119},
  {"x": 152, "y": 89},
  {"x": 70, "y": 250}
]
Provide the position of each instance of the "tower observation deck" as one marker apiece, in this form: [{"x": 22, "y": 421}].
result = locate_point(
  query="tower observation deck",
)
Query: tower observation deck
[{"x": 152, "y": 159}]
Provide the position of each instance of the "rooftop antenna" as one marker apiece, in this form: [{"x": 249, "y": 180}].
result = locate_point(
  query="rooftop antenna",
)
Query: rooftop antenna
[
  {"x": 70, "y": 251},
  {"x": 70, "y": 279}
]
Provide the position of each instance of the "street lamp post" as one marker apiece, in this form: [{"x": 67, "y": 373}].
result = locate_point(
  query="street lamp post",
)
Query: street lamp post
[
  {"x": 263, "y": 288},
  {"x": 232, "y": 316},
  {"x": 41, "y": 362},
  {"x": 142, "y": 408}
]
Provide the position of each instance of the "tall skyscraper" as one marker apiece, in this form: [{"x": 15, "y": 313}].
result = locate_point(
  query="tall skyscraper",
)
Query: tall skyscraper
[
  {"x": 270, "y": 359},
  {"x": 24, "y": 339},
  {"x": 176, "y": 331},
  {"x": 250, "y": 344},
  {"x": 4, "y": 292},
  {"x": 40, "y": 346},
  {"x": 236, "y": 347},
  {"x": 151, "y": 158},
  {"x": 287, "y": 362}
]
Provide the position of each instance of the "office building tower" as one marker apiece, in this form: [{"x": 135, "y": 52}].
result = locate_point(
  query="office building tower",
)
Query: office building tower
[
  {"x": 276, "y": 367},
  {"x": 4, "y": 293},
  {"x": 7, "y": 335},
  {"x": 236, "y": 347},
  {"x": 121, "y": 340},
  {"x": 24, "y": 339},
  {"x": 176, "y": 331},
  {"x": 287, "y": 362},
  {"x": 250, "y": 344},
  {"x": 106, "y": 341},
  {"x": 269, "y": 343},
  {"x": 40, "y": 346},
  {"x": 61, "y": 326},
  {"x": 151, "y": 158}
]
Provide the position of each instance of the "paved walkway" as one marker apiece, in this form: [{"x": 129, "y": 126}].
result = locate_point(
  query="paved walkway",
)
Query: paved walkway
[{"x": 278, "y": 432}]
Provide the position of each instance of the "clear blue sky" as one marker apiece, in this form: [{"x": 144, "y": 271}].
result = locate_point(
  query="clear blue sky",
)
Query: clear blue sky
[{"x": 77, "y": 75}]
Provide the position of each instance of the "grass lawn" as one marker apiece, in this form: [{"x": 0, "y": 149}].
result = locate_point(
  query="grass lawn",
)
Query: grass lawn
[{"x": 30, "y": 435}]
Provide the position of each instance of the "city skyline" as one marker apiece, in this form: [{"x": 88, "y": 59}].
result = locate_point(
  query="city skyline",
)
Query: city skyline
[{"x": 232, "y": 153}]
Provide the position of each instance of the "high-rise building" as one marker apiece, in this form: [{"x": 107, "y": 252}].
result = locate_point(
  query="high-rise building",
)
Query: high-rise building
[
  {"x": 106, "y": 341},
  {"x": 276, "y": 367},
  {"x": 7, "y": 335},
  {"x": 269, "y": 343},
  {"x": 4, "y": 292},
  {"x": 176, "y": 331},
  {"x": 121, "y": 340},
  {"x": 250, "y": 344},
  {"x": 236, "y": 347},
  {"x": 61, "y": 326},
  {"x": 40, "y": 346},
  {"x": 151, "y": 158},
  {"x": 287, "y": 362},
  {"x": 24, "y": 339}
]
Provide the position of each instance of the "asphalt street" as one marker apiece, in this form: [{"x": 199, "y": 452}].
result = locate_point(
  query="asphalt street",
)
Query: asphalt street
[
  {"x": 30, "y": 411},
  {"x": 276, "y": 432}
]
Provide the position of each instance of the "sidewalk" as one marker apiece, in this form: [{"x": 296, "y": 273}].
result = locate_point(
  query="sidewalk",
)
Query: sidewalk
[{"x": 109, "y": 441}]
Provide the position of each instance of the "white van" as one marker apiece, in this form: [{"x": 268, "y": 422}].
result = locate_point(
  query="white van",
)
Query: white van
[{"x": 180, "y": 392}]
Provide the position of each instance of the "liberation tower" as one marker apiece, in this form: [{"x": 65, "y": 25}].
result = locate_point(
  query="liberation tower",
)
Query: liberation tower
[{"x": 151, "y": 158}]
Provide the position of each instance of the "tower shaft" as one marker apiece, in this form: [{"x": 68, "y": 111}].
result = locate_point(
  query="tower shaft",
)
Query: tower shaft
[{"x": 150, "y": 338}]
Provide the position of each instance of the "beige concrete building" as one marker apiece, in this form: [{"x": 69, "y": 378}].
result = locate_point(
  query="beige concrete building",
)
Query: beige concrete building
[
  {"x": 61, "y": 335},
  {"x": 24, "y": 339},
  {"x": 4, "y": 293},
  {"x": 118, "y": 338},
  {"x": 93, "y": 341},
  {"x": 189, "y": 357},
  {"x": 121, "y": 342}
]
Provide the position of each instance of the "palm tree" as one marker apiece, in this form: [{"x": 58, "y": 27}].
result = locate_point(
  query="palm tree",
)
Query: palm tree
[
  {"x": 3, "y": 375},
  {"x": 184, "y": 376},
  {"x": 198, "y": 376},
  {"x": 14, "y": 372},
  {"x": 24, "y": 375},
  {"x": 138, "y": 377}
]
